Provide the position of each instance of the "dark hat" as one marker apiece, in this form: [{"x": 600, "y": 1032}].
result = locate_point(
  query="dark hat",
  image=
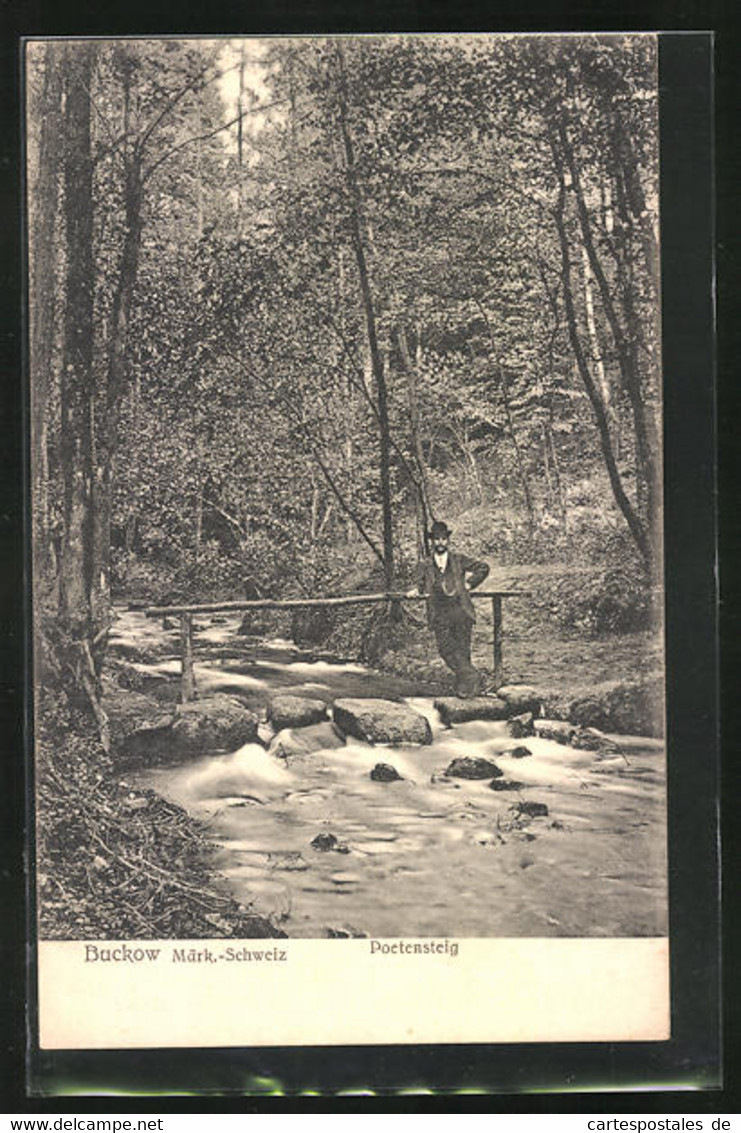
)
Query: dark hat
[{"x": 439, "y": 529}]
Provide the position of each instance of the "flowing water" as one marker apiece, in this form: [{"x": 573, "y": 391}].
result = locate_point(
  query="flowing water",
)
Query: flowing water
[{"x": 426, "y": 855}]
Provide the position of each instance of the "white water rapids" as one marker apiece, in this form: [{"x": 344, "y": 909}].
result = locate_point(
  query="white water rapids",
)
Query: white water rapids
[{"x": 427, "y": 855}]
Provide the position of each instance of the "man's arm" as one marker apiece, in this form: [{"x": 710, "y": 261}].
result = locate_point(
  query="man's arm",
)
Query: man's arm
[{"x": 476, "y": 570}]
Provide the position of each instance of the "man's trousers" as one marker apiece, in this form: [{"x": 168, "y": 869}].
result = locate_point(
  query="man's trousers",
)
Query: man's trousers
[{"x": 453, "y": 630}]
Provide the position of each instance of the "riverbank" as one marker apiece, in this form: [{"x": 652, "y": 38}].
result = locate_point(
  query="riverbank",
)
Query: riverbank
[
  {"x": 611, "y": 681},
  {"x": 116, "y": 861}
]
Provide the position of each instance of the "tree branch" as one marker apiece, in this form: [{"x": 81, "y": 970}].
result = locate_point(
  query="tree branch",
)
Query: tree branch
[{"x": 204, "y": 137}]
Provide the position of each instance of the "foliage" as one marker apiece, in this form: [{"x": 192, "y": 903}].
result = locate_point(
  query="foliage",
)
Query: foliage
[
  {"x": 503, "y": 193},
  {"x": 613, "y": 597}
]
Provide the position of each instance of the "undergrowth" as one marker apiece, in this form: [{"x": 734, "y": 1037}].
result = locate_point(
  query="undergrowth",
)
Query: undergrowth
[{"x": 114, "y": 862}]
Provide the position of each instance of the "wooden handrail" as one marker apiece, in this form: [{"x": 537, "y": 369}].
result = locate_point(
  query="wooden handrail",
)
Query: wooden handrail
[
  {"x": 188, "y": 684},
  {"x": 298, "y": 603}
]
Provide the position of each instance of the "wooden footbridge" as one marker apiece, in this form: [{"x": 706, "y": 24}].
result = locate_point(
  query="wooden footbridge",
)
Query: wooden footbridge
[{"x": 186, "y": 613}]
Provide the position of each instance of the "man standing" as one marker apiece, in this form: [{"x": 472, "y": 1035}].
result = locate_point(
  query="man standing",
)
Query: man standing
[{"x": 446, "y": 578}]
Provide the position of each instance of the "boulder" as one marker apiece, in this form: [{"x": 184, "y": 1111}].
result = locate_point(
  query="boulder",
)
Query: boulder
[
  {"x": 381, "y": 721},
  {"x": 505, "y": 785},
  {"x": 469, "y": 767},
  {"x": 295, "y": 711},
  {"x": 520, "y": 726},
  {"x": 520, "y": 698},
  {"x": 559, "y": 730},
  {"x": 324, "y": 842},
  {"x": 590, "y": 739},
  {"x": 128, "y": 711},
  {"x": 384, "y": 773},
  {"x": 216, "y": 723},
  {"x": 519, "y": 752},
  {"x": 459, "y": 710},
  {"x": 305, "y": 741},
  {"x": 627, "y": 707}
]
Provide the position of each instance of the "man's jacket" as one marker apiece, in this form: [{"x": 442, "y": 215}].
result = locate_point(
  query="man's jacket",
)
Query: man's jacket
[{"x": 454, "y": 579}]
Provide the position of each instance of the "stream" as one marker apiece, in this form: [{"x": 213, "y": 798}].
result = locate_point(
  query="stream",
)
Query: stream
[{"x": 426, "y": 855}]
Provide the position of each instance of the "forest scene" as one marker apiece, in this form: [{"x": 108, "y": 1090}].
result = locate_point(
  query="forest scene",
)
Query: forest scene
[{"x": 291, "y": 302}]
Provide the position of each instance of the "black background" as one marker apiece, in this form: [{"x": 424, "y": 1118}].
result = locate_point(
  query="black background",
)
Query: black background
[{"x": 509, "y": 1074}]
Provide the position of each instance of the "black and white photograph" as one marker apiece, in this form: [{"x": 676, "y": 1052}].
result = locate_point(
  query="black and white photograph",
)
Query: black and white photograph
[{"x": 345, "y": 374}]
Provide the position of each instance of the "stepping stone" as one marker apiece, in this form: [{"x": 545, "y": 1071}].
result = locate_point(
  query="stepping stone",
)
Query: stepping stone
[
  {"x": 460, "y": 710},
  {"x": 305, "y": 741},
  {"x": 590, "y": 739},
  {"x": 520, "y": 698},
  {"x": 287, "y": 711},
  {"x": 215, "y": 723},
  {"x": 379, "y": 721}
]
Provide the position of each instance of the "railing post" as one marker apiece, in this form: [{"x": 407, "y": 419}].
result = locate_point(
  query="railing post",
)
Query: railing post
[
  {"x": 187, "y": 678},
  {"x": 496, "y": 611}
]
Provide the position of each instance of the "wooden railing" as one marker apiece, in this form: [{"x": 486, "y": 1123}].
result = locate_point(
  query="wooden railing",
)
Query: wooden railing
[{"x": 185, "y": 613}]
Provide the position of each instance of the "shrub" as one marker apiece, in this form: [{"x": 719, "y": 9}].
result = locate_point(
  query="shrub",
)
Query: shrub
[{"x": 611, "y": 600}]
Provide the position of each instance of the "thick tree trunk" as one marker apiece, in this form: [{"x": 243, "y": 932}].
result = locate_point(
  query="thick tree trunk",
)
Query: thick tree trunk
[
  {"x": 116, "y": 383},
  {"x": 78, "y": 567},
  {"x": 43, "y": 209}
]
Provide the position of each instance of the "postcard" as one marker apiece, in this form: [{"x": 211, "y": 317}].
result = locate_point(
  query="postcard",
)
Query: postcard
[{"x": 346, "y": 413}]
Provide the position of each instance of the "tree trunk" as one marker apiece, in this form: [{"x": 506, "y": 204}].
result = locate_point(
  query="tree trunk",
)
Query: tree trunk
[
  {"x": 78, "y": 568},
  {"x": 116, "y": 374},
  {"x": 646, "y": 434},
  {"x": 422, "y": 495},
  {"x": 240, "y": 145},
  {"x": 356, "y": 210},
  {"x": 594, "y": 342},
  {"x": 43, "y": 209},
  {"x": 636, "y": 528}
]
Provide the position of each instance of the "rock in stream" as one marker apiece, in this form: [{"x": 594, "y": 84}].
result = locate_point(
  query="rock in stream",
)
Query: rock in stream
[
  {"x": 469, "y": 767},
  {"x": 379, "y": 721},
  {"x": 216, "y": 723},
  {"x": 295, "y": 711},
  {"x": 459, "y": 710}
]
